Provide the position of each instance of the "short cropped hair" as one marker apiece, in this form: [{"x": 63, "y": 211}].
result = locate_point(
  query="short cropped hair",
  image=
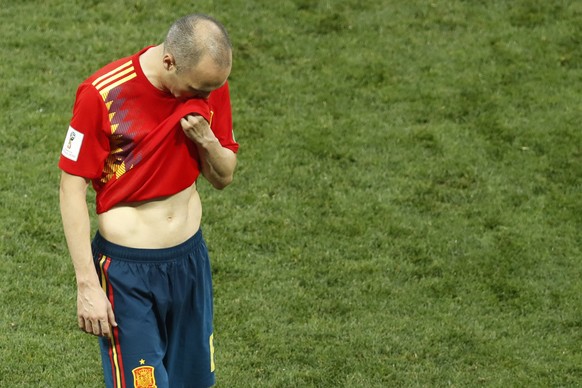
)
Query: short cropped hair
[{"x": 194, "y": 36}]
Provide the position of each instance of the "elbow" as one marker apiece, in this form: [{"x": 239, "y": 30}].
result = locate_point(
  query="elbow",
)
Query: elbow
[
  {"x": 221, "y": 178},
  {"x": 222, "y": 174},
  {"x": 222, "y": 182}
]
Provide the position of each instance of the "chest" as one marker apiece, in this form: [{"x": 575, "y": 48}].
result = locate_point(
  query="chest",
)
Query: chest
[{"x": 133, "y": 116}]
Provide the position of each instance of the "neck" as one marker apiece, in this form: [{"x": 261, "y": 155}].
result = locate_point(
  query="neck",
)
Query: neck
[{"x": 152, "y": 66}]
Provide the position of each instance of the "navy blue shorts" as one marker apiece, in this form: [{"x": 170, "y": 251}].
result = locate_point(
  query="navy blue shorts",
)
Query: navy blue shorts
[{"x": 162, "y": 300}]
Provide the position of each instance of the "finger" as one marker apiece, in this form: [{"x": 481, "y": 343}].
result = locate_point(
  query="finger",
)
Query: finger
[
  {"x": 111, "y": 317},
  {"x": 105, "y": 328},
  {"x": 194, "y": 119},
  {"x": 87, "y": 327},
  {"x": 185, "y": 124},
  {"x": 81, "y": 323},
  {"x": 96, "y": 327}
]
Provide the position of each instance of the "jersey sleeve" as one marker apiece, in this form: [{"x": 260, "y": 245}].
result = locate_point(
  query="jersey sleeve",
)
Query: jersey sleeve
[
  {"x": 86, "y": 145},
  {"x": 221, "y": 123}
]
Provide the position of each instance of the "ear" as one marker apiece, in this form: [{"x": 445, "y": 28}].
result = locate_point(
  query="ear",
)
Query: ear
[{"x": 169, "y": 62}]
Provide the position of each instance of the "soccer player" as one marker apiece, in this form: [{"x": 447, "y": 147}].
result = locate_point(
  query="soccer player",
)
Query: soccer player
[{"x": 142, "y": 131}]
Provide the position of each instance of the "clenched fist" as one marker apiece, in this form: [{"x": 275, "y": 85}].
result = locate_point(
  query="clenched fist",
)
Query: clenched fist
[{"x": 197, "y": 129}]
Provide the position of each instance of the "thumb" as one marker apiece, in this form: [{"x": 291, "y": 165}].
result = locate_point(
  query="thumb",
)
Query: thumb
[{"x": 111, "y": 317}]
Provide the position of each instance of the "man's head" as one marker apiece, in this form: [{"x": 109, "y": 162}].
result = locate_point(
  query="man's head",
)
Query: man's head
[{"x": 197, "y": 56}]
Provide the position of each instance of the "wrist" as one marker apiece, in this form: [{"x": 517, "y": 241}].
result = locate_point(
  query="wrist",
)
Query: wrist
[
  {"x": 209, "y": 142},
  {"x": 88, "y": 280}
]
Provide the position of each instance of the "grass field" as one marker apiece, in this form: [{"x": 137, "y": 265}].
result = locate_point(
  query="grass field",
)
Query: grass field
[{"x": 407, "y": 211}]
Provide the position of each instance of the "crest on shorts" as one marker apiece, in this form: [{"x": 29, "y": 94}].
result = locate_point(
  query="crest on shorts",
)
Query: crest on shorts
[{"x": 143, "y": 377}]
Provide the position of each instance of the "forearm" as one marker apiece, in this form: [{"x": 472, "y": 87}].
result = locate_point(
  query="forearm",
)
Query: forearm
[
  {"x": 94, "y": 312},
  {"x": 217, "y": 163},
  {"x": 76, "y": 225}
]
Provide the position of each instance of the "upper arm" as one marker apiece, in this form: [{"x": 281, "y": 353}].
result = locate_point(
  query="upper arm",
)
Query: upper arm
[
  {"x": 73, "y": 184},
  {"x": 86, "y": 145}
]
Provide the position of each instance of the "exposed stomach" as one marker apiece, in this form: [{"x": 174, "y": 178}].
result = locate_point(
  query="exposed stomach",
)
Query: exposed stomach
[{"x": 160, "y": 223}]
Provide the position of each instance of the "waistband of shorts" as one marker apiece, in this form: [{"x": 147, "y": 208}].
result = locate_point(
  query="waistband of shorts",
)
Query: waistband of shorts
[{"x": 115, "y": 251}]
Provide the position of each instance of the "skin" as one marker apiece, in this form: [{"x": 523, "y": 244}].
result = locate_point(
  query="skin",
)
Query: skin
[{"x": 160, "y": 223}]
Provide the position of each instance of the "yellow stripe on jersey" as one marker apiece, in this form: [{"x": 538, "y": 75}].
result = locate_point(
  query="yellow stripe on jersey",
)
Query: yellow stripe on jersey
[
  {"x": 120, "y": 171},
  {"x": 113, "y": 77},
  {"x": 106, "y": 90},
  {"x": 126, "y": 64}
]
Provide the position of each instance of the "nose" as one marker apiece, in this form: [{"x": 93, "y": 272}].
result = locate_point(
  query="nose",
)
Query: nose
[
  {"x": 190, "y": 95},
  {"x": 203, "y": 95}
]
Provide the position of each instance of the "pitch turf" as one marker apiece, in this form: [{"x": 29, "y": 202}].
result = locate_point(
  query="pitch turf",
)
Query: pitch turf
[{"x": 406, "y": 211}]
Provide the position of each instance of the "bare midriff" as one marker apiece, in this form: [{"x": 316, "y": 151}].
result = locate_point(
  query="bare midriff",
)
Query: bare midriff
[{"x": 160, "y": 223}]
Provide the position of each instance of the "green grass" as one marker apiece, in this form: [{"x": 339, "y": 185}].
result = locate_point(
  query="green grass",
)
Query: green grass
[{"x": 406, "y": 211}]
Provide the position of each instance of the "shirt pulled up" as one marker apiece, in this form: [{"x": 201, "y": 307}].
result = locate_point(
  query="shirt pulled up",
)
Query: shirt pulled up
[{"x": 125, "y": 135}]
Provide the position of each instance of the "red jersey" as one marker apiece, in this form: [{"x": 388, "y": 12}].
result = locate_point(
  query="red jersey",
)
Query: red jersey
[{"x": 125, "y": 135}]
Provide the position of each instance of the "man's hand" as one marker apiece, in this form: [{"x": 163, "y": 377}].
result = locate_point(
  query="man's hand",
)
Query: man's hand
[
  {"x": 197, "y": 129},
  {"x": 94, "y": 311},
  {"x": 218, "y": 163}
]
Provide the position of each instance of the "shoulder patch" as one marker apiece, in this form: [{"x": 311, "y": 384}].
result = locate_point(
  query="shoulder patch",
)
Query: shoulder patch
[{"x": 72, "y": 146}]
